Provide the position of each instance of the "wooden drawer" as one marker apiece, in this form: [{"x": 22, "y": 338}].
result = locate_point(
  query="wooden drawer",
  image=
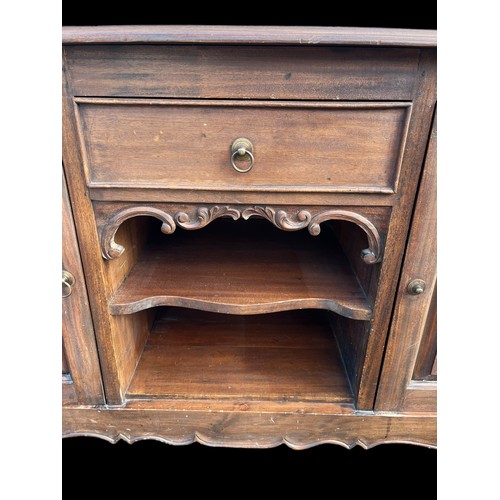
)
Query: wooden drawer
[{"x": 300, "y": 146}]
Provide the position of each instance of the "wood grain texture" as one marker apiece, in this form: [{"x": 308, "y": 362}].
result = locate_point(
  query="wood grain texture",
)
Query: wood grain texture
[
  {"x": 420, "y": 396},
  {"x": 434, "y": 367},
  {"x": 247, "y": 429},
  {"x": 79, "y": 346},
  {"x": 352, "y": 336},
  {"x": 128, "y": 333},
  {"x": 352, "y": 339},
  {"x": 226, "y": 268},
  {"x": 152, "y": 194},
  {"x": 274, "y": 35},
  {"x": 118, "y": 339},
  {"x": 69, "y": 395},
  {"x": 418, "y": 134},
  {"x": 284, "y": 356},
  {"x": 132, "y": 235},
  {"x": 353, "y": 147},
  {"x": 426, "y": 362},
  {"x": 111, "y": 217},
  {"x": 352, "y": 244},
  {"x": 255, "y": 72},
  {"x": 238, "y": 72},
  {"x": 65, "y": 366},
  {"x": 411, "y": 311}
]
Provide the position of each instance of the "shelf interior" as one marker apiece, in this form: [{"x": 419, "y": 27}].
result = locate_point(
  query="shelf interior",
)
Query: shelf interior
[
  {"x": 247, "y": 267},
  {"x": 286, "y": 356}
]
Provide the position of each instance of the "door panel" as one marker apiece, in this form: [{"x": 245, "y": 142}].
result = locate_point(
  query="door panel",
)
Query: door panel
[
  {"x": 409, "y": 373},
  {"x": 81, "y": 378}
]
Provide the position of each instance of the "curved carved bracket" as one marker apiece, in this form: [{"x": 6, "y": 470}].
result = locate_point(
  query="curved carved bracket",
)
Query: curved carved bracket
[
  {"x": 370, "y": 255},
  {"x": 303, "y": 218},
  {"x": 203, "y": 216},
  {"x": 109, "y": 248}
]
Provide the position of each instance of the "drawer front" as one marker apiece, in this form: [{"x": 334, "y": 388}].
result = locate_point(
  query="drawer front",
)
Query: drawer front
[{"x": 313, "y": 146}]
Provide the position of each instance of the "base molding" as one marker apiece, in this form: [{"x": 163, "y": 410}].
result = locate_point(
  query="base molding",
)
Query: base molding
[{"x": 249, "y": 429}]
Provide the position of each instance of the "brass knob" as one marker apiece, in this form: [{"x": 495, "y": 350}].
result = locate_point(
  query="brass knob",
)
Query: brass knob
[
  {"x": 68, "y": 280},
  {"x": 416, "y": 287},
  {"x": 241, "y": 149}
]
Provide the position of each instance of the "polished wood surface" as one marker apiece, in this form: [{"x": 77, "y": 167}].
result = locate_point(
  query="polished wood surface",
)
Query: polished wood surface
[
  {"x": 242, "y": 268},
  {"x": 283, "y": 356},
  {"x": 88, "y": 241},
  {"x": 136, "y": 73},
  {"x": 81, "y": 372},
  {"x": 274, "y": 35},
  {"x": 413, "y": 314},
  {"x": 255, "y": 72},
  {"x": 241, "y": 427},
  {"x": 119, "y": 339},
  {"x": 426, "y": 362},
  {"x": 179, "y": 143},
  {"x": 418, "y": 134}
]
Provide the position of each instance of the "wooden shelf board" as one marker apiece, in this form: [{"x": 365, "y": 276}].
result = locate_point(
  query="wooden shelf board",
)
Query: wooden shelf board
[
  {"x": 227, "y": 268},
  {"x": 288, "y": 356}
]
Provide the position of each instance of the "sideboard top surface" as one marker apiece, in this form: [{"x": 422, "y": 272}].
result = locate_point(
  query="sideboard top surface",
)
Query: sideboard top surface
[{"x": 262, "y": 35}]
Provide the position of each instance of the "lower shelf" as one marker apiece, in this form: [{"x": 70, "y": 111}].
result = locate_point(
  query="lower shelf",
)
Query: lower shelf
[{"x": 280, "y": 357}]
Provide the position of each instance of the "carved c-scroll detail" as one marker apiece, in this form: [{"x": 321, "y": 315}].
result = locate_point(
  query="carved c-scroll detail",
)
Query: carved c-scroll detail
[
  {"x": 279, "y": 217},
  {"x": 109, "y": 248},
  {"x": 370, "y": 255},
  {"x": 303, "y": 218},
  {"x": 204, "y": 216}
]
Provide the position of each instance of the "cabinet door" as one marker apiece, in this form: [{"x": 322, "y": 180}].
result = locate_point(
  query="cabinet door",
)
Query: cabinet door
[
  {"x": 81, "y": 378},
  {"x": 409, "y": 374}
]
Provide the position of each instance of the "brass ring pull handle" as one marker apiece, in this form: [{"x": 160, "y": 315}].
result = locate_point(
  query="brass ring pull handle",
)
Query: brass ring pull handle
[
  {"x": 68, "y": 280},
  {"x": 240, "y": 149}
]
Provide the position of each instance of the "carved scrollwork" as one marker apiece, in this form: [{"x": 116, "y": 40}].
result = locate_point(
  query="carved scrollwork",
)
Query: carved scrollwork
[
  {"x": 279, "y": 217},
  {"x": 109, "y": 248},
  {"x": 370, "y": 255},
  {"x": 204, "y": 216},
  {"x": 303, "y": 218}
]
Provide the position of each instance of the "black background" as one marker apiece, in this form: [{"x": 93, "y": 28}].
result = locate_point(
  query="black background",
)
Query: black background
[
  {"x": 411, "y": 14},
  {"x": 392, "y": 470}
]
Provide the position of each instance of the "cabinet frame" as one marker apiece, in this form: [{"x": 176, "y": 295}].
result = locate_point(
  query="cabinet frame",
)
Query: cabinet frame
[{"x": 120, "y": 338}]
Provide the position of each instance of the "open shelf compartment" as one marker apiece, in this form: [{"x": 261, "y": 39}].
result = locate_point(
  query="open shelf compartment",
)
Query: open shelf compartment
[
  {"x": 241, "y": 311},
  {"x": 243, "y": 268},
  {"x": 286, "y": 356}
]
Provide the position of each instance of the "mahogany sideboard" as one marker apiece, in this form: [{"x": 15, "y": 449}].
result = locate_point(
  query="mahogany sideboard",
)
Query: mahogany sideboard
[{"x": 249, "y": 235}]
